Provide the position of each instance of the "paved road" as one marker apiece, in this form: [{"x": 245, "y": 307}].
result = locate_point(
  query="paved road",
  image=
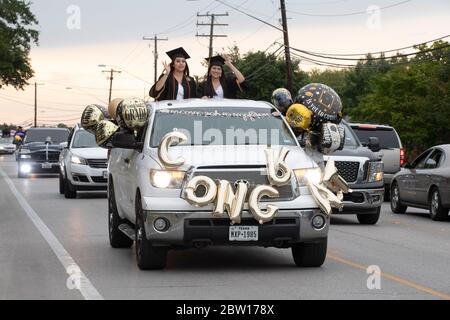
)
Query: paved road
[{"x": 42, "y": 233}]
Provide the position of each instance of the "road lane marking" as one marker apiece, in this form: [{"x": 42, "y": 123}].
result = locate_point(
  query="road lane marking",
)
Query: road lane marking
[
  {"x": 392, "y": 278},
  {"x": 87, "y": 290}
]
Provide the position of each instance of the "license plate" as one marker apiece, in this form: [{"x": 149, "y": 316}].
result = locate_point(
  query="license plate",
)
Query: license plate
[
  {"x": 243, "y": 233},
  {"x": 105, "y": 174},
  {"x": 46, "y": 166}
]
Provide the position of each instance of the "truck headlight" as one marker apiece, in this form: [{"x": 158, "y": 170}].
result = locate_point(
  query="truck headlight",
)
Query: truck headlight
[
  {"x": 313, "y": 175},
  {"x": 375, "y": 171},
  {"x": 170, "y": 179},
  {"x": 78, "y": 160}
]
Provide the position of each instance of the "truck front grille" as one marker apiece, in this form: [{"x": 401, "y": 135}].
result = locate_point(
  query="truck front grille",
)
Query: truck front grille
[
  {"x": 253, "y": 176},
  {"x": 348, "y": 170},
  {"x": 41, "y": 156},
  {"x": 98, "y": 163}
]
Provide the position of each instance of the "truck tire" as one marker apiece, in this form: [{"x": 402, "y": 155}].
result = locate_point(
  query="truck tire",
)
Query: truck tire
[
  {"x": 117, "y": 238},
  {"x": 61, "y": 183},
  {"x": 396, "y": 203},
  {"x": 310, "y": 254},
  {"x": 148, "y": 257},
  {"x": 69, "y": 190},
  {"x": 369, "y": 218},
  {"x": 437, "y": 211}
]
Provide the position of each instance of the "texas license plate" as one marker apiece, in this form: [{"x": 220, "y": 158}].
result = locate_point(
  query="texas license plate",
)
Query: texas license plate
[
  {"x": 105, "y": 174},
  {"x": 243, "y": 233},
  {"x": 46, "y": 166}
]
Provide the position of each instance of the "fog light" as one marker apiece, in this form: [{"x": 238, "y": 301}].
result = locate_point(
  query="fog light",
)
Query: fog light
[
  {"x": 25, "y": 168},
  {"x": 318, "y": 222},
  {"x": 161, "y": 224}
]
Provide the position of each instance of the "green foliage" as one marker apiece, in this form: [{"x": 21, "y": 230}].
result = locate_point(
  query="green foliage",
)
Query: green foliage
[{"x": 16, "y": 36}]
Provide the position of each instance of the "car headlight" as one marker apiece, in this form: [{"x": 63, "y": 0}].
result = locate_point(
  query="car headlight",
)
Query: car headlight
[
  {"x": 313, "y": 175},
  {"x": 170, "y": 179},
  {"x": 78, "y": 160},
  {"x": 375, "y": 171}
]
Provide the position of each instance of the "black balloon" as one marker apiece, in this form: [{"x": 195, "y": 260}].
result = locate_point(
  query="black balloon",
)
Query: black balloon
[
  {"x": 92, "y": 115},
  {"x": 282, "y": 99},
  {"x": 323, "y": 101}
]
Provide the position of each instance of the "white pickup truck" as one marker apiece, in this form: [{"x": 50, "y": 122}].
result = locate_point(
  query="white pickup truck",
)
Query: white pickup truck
[{"x": 227, "y": 142}]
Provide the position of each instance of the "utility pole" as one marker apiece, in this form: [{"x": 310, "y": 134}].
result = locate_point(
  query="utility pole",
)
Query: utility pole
[
  {"x": 155, "y": 53},
  {"x": 287, "y": 51},
  {"x": 35, "y": 102},
  {"x": 111, "y": 78},
  {"x": 211, "y": 32}
]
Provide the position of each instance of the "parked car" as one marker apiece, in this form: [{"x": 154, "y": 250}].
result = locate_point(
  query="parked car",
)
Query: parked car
[
  {"x": 39, "y": 152},
  {"x": 424, "y": 184},
  {"x": 7, "y": 146},
  {"x": 83, "y": 165},
  {"x": 145, "y": 203},
  {"x": 363, "y": 170},
  {"x": 392, "y": 152}
]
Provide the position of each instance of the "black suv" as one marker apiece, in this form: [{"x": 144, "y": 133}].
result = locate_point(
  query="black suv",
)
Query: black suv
[{"x": 40, "y": 151}]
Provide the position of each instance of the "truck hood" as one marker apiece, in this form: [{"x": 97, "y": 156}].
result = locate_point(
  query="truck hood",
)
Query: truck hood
[
  {"x": 357, "y": 152},
  {"x": 240, "y": 155},
  {"x": 41, "y": 146},
  {"x": 90, "y": 153}
]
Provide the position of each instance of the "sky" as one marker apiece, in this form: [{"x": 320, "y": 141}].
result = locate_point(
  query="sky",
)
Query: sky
[{"x": 76, "y": 36}]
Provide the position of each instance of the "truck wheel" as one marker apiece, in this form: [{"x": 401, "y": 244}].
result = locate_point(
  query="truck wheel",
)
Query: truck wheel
[
  {"x": 117, "y": 238},
  {"x": 371, "y": 218},
  {"x": 396, "y": 204},
  {"x": 69, "y": 190},
  {"x": 148, "y": 257},
  {"x": 61, "y": 183},
  {"x": 310, "y": 254},
  {"x": 437, "y": 211}
]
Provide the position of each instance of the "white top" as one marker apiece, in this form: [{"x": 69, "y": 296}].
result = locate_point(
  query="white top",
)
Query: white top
[
  {"x": 180, "y": 94},
  {"x": 219, "y": 92}
]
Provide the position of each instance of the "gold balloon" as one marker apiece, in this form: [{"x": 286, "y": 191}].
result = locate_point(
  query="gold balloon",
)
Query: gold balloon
[
  {"x": 276, "y": 165},
  {"x": 132, "y": 113},
  {"x": 91, "y": 116},
  {"x": 193, "y": 184},
  {"x": 112, "y": 107},
  {"x": 299, "y": 117},
  {"x": 256, "y": 195},
  {"x": 232, "y": 202},
  {"x": 104, "y": 131},
  {"x": 171, "y": 139}
]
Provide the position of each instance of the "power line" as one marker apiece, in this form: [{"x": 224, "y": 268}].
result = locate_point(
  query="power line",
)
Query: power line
[{"x": 346, "y": 14}]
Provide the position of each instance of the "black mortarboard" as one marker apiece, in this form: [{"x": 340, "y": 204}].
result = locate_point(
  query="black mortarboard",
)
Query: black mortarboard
[
  {"x": 177, "y": 53},
  {"x": 216, "y": 61}
]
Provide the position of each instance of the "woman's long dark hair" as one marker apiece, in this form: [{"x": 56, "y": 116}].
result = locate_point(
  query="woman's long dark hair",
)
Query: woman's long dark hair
[{"x": 210, "y": 92}]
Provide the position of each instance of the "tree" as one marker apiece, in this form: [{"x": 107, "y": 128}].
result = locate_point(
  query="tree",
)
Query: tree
[
  {"x": 264, "y": 73},
  {"x": 16, "y": 36}
]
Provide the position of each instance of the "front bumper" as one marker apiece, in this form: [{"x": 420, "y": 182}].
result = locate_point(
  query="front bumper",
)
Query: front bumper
[
  {"x": 40, "y": 167},
  {"x": 7, "y": 151},
  {"x": 86, "y": 176},
  {"x": 200, "y": 227},
  {"x": 362, "y": 201}
]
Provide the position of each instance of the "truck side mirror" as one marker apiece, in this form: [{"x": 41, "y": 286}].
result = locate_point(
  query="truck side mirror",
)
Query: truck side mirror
[
  {"x": 374, "y": 144},
  {"x": 125, "y": 140}
]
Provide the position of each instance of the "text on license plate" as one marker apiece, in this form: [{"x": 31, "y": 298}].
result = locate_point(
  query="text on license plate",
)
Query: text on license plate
[
  {"x": 243, "y": 233},
  {"x": 46, "y": 166}
]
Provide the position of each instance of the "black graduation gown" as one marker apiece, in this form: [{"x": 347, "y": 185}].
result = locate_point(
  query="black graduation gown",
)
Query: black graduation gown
[
  {"x": 170, "y": 89},
  {"x": 230, "y": 88}
]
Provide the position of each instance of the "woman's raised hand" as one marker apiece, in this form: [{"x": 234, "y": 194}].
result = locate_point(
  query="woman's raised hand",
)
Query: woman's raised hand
[{"x": 166, "y": 67}]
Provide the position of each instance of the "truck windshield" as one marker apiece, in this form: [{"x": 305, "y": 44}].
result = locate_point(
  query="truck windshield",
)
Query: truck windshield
[
  {"x": 55, "y": 136},
  {"x": 350, "y": 139},
  {"x": 84, "y": 139},
  {"x": 222, "y": 126}
]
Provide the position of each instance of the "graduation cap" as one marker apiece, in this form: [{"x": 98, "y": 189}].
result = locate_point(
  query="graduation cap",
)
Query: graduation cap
[
  {"x": 216, "y": 61},
  {"x": 177, "y": 53}
]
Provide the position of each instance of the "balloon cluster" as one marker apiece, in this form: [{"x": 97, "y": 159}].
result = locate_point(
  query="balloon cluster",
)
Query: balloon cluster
[
  {"x": 128, "y": 114},
  {"x": 315, "y": 113}
]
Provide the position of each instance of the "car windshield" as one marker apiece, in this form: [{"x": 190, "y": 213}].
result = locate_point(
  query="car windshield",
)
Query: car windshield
[
  {"x": 350, "y": 139},
  {"x": 222, "y": 126},
  {"x": 388, "y": 138},
  {"x": 6, "y": 140},
  {"x": 55, "y": 136},
  {"x": 84, "y": 139}
]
